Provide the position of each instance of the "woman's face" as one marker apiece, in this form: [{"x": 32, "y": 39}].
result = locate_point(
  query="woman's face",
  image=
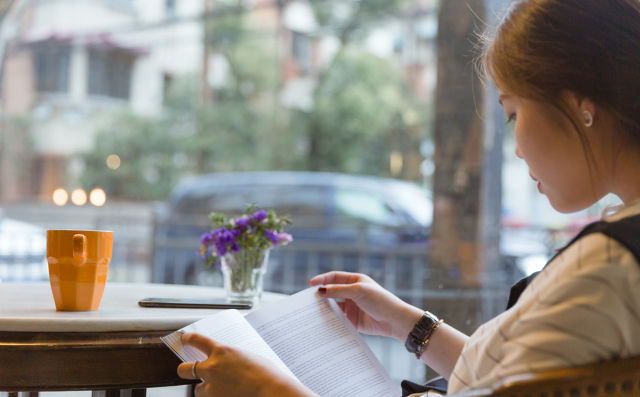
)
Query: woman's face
[{"x": 548, "y": 142}]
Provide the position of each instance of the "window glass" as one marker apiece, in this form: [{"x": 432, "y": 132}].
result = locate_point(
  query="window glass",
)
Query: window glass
[
  {"x": 110, "y": 73},
  {"x": 52, "y": 65},
  {"x": 414, "y": 201},
  {"x": 170, "y": 7},
  {"x": 364, "y": 206},
  {"x": 143, "y": 116},
  {"x": 297, "y": 200},
  {"x": 302, "y": 51}
]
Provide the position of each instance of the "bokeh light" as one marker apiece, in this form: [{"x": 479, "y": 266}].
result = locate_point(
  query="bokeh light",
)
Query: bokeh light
[
  {"x": 60, "y": 197},
  {"x": 97, "y": 197},
  {"x": 395, "y": 162},
  {"x": 113, "y": 161},
  {"x": 79, "y": 197}
]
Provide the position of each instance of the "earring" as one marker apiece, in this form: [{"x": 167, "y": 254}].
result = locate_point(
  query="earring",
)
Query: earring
[{"x": 588, "y": 118}]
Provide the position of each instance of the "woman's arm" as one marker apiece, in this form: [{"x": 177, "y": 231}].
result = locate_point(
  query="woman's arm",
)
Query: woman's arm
[
  {"x": 444, "y": 349},
  {"x": 374, "y": 310}
]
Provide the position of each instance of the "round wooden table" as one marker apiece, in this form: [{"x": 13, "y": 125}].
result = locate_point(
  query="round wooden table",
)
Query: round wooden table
[{"x": 115, "y": 350}]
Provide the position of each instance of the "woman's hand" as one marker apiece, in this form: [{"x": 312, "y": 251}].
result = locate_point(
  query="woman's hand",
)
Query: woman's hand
[
  {"x": 231, "y": 372},
  {"x": 370, "y": 308}
]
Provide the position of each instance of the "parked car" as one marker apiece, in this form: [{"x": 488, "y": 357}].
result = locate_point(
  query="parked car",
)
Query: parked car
[
  {"x": 22, "y": 251},
  {"x": 327, "y": 210},
  {"x": 352, "y": 222}
]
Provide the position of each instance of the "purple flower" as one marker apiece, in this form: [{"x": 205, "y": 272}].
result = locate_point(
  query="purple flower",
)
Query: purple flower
[
  {"x": 236, "y": 233},
  {"x": 222, "y": 238},
  {"x": 221, "y": 249},
  {"x": 207, "y": 238},
  {"x": 259, "y": 215},
  {"x": 225, "y": 235},
  {"x": 256, "y": 228},
  {"x": 271, "y": 235},
  {"x": 284, "y": 238},
  {"x": 242, "y": 223}
]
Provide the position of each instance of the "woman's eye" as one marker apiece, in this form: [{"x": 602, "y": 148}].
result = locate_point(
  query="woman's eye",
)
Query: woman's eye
[{"x": 511, "y": 118}]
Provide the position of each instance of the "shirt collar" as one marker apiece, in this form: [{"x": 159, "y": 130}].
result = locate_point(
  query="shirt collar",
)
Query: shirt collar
[{"x": 614, "y": 213}]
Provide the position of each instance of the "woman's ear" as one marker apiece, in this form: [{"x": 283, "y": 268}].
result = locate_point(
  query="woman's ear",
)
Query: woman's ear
[
  {"x": 587, "y": 105},
  {"x": 583, "y": 107}
]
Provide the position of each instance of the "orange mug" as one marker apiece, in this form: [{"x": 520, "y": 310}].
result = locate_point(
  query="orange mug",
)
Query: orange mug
[{"x": 78, "y": 265}]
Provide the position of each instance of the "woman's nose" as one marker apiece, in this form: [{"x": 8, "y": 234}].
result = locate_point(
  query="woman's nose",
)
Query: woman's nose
[{"x": 518, "y": 152}]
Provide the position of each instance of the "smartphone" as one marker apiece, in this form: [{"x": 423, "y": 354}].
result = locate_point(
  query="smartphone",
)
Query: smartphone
[{"x": 192, "y": 303}]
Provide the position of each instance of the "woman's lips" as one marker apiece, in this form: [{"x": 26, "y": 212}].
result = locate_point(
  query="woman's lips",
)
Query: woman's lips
[{"x": 535, "y": 180}]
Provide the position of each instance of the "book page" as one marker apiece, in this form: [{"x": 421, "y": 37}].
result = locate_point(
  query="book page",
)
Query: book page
[
  {"x": 228, "y": 327},
  {"x": 321, "y": 347}
]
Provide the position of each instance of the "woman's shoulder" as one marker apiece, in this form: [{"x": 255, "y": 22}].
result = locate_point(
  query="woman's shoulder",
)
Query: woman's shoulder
[
  {"x": 595, "y": 254},
  {"x": 610, "y": 243},
  {"x": 594, "y": 263}
]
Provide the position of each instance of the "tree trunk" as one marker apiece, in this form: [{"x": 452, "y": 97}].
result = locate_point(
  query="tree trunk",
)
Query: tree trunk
[
  {"x": 458, "y": 155},
  {"x": 467, "y": 177}
]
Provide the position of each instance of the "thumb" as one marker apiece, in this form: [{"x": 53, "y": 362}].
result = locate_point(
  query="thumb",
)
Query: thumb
[{"x": 200, "y": 342}]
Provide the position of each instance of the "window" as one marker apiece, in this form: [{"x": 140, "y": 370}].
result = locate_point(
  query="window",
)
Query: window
[
  {"x": 302, "y": 51},
  {"x": 170, "y": 8},
  {"x": 336, "y": 87},
  {"x": 167, "y": 83},
  {"x": 365, "y": 206},
  {"x": 52, "y": 67},
  {"x": 110, "y": 72},
  {"x": 294, "y": 200}
]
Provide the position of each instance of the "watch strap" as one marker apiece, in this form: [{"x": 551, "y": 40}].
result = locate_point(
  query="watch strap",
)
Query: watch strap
[{"x": 419, "y": 336}]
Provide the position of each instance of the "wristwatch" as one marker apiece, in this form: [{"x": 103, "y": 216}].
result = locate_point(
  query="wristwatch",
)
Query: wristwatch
[{"x": 421, "y": 333}]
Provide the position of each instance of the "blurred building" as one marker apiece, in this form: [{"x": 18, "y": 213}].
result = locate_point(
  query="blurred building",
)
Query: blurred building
[{"x": 65, "y": 62}]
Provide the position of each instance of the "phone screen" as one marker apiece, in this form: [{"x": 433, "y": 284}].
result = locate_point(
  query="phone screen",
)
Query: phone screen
[{"x": 192, "y": 303}]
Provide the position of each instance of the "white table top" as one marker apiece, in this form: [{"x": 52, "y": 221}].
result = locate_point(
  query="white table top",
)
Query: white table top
[{"x": 29, "y": 307}]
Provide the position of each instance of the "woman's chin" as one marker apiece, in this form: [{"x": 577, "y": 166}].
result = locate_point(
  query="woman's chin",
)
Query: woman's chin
[{"x": 567, "y": 207}]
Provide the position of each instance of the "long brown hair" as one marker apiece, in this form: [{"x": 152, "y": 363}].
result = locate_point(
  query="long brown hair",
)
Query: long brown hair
[{"x": 590, "y": 47}]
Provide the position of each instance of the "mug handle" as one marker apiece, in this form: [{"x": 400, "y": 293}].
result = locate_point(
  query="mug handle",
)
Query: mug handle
[{"x": 79, "y": 249}]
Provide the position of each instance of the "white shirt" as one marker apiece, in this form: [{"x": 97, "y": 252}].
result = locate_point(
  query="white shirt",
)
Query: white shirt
[{"x": 583, "y": 307}]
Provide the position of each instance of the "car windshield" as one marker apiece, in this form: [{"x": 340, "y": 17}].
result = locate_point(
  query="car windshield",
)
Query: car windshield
[
  {"x": 365, "y": 206},
  {"x": 416, "y": 202}
]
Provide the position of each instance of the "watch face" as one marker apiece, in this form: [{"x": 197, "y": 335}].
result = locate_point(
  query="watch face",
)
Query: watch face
[
  {"x": 421, "y": 333},
  {"x": 427, "y": 320}
]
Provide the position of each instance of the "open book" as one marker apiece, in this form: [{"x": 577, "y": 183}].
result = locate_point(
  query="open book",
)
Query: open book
[{"x": 306, "y": 336}]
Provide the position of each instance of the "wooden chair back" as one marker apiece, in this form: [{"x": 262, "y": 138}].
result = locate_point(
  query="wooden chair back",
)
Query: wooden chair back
[{"x": 619, "y": 378}]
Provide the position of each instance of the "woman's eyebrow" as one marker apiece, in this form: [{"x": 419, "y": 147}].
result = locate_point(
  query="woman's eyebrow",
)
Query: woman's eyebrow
[{"x": 502, "y": 96}]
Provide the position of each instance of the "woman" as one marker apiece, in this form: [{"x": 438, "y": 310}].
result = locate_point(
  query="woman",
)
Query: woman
[{"x": 568, "y": 72}]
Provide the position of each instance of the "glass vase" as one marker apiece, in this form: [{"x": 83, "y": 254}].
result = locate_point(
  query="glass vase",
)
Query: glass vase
[{"x": 243, "y": 274}]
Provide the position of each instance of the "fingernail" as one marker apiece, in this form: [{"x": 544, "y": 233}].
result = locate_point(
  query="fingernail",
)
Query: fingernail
[{"x": 322, "y": 290}]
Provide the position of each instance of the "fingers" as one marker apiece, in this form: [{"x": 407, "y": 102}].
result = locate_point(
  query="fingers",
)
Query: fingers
[
  {"x": 343, "y": 291},
  {"x": 352, "y": 311},
  {"x": 200, "y": 342},
  {"x": 336, "y": 277},
  {"x": 201, "y": 390},
  {"x": 185, "y": 371}
]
